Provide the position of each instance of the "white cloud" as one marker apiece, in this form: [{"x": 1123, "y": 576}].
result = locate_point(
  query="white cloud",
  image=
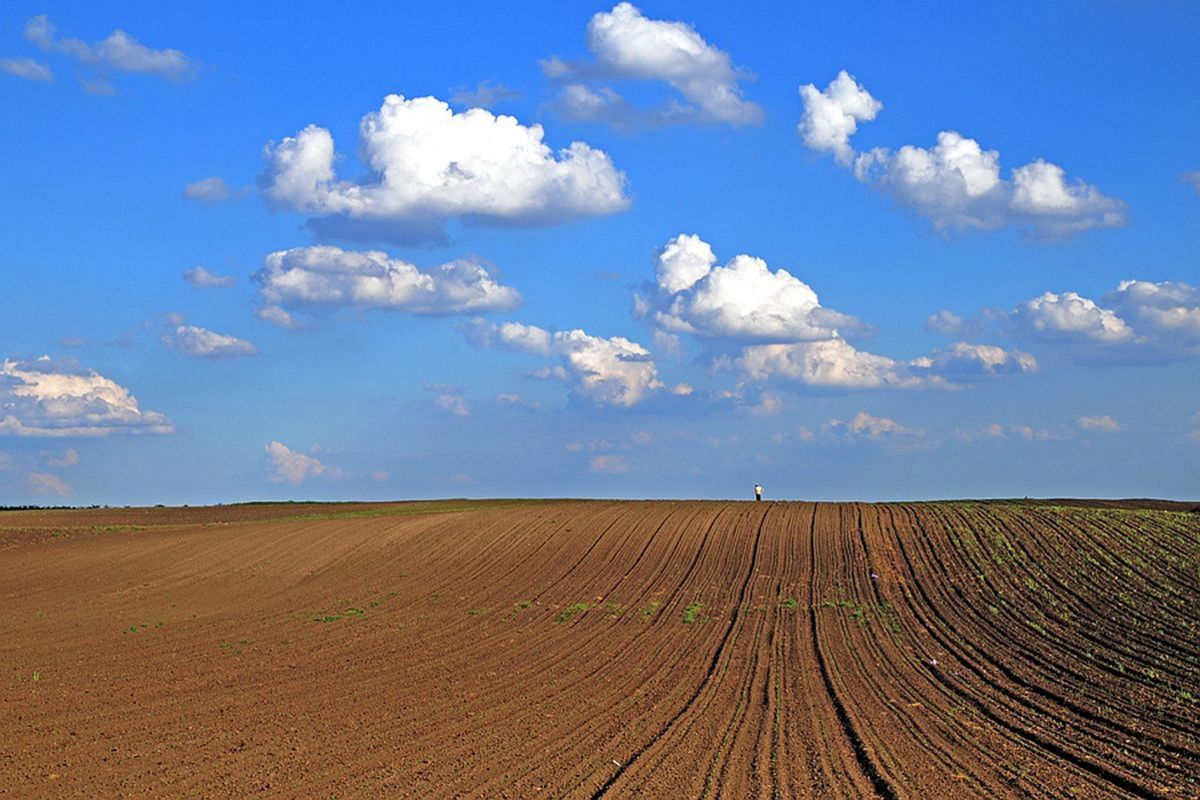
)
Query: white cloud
[
  {"x": 788, "y": 334},
  {"x": 966, "y": 361},
  {"x": 1031, "y": 434},
  {"x": 26, "y": 68},
  {"x": 1067, "y": 316},
  {"x": 118, "y": 51},
  {"x": 203, "y": 279},
  {"x": 67, "y": 458},
  {"x": 643, "y": 437},
  {"x": 769, "y": 403},
  {"x": 866, "y": 426},
  {"x": 611, "y": 464},
  {"x": 292, "y": 468},
  {"x": 43, "y": 483},
  {"x": 837, "y": 364},
  {"x": 555, "y": 373},
  {"x": 1103, "y": 423},
  {"x": 323, "y": 276},
  {"x": 949, "y": 323},
  {"x": 610, "y": 371},
  {"x": 47, "y": 398},
  {"x": 432, "y": 165},
  {"x": 509, "y": 335},
  {"x": 1193, "y": 178},
  {"x": 276, "y": 316},
  {"x": 743, "y": 300},
  {"x": 613, "y": 371},
  {"x": 628, "y": 45},
  {"x": 203, "y": 343},
  {"x": 511, "y": 400},
  {"x": 1169, "y": 310},
  {"x": 833, "y": 363},
  {"x": 213, "y": 189},
  {"x": 1139, "y": 322},
  {"x": 831, "y": 117},
  {"x": 452, "y": 404},
  {"x": 956, "y": 184}
]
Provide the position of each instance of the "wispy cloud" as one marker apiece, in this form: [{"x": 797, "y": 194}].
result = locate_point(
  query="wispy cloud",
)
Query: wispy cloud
[{"x": 119, "y": 51}]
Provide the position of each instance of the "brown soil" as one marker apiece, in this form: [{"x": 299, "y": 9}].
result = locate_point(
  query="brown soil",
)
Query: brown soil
[{"x": 602, "y": 649}]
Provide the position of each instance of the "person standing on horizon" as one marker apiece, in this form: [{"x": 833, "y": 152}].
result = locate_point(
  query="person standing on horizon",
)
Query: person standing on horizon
[{"x": 757, "y": 492}]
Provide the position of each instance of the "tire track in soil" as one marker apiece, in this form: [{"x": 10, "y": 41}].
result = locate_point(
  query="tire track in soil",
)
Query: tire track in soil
[
  {"x": 1024, "y": 732},
  {"x": 711, "y": 670},
  {"x": 870, "y": 770}
]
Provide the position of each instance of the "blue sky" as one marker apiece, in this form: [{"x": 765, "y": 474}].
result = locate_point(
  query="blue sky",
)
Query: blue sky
[{"x": 663, "y": 250}]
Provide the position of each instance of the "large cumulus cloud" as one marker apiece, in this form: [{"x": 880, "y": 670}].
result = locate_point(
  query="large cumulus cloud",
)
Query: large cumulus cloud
[
  {"x": 310, "y": 278},
  {"x": 784, "y": 332},
  {"x": 956, "y": 184},
  {"x": 43, "y": 397},
  {"x": 429, "y": 164}
]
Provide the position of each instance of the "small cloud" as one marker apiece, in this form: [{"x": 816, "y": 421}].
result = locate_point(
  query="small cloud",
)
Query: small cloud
[
  {"x": 768, "y": 403},
  {"x": 73, "y": 341},
  {"x": 293, "y": 468},
  {"x": 67, "y": 458},
  {"x": 27, "y": 69},
  {"x": 1032, "y": 434},
  {"x": 611, "y": 371},
  {"x": 45, "y": 484},
  {"x": 644, "y": 438},
  {"x": 486, "y": 94},
  {"x": 452, "y": 404},
  {"x": 866, "y": 426},
  {"x": 119, "y": 51},
  {"x": 380, "y": 476},
  {"x": 516, "y": 401},
  {"x": 203, "y": 279},
  {"x": 1193, "y": 178},
  {"x": 98, "y": 87},
  {"x": 276, "y": 316},
  {"x": 555, "y": 373},
  {"x": 1102, "y": 423},
  {"x": 611, "y": 464},
  {"x": 203, "y": 343},
  {"x": 627, "y": 45},
  {"x": 209, "y": 190},
  {"x": 951, "y": 324}
]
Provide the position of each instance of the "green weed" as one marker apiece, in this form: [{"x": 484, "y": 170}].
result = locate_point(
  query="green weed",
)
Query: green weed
[{"x": 571, "y": 611}]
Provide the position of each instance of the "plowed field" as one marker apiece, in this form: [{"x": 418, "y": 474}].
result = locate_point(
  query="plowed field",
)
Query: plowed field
[{"x": 601, "y": 649}]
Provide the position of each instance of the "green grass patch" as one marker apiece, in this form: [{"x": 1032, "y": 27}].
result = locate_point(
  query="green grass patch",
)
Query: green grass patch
[
  {"x": 790, "y": 603},
  {"x": 692, "y": 613},
  {"x": 570, "y": 611}
]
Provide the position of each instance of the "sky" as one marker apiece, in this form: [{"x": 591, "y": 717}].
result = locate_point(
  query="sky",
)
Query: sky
[{"x": 847, "y": 251}]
